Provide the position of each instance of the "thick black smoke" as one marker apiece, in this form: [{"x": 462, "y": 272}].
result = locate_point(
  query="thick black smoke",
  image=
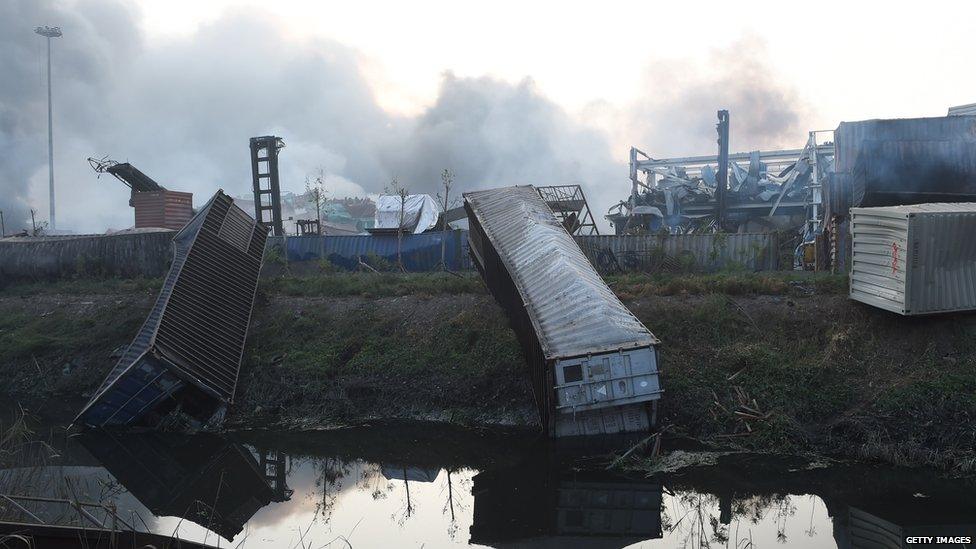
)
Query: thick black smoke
[
  {"x": 183, "y": 110},
  {"x": 677, "y": 114}
]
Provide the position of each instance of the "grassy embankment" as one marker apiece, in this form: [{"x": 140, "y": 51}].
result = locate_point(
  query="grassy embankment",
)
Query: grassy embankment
[{"x": 821, "y": 373}]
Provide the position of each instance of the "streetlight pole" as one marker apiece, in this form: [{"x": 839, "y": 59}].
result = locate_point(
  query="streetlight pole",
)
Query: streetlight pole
[{"x": 49, "y": 33}]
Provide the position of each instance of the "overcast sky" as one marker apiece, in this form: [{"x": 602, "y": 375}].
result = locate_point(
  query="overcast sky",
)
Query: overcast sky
[{"x": 500, "y": 92}]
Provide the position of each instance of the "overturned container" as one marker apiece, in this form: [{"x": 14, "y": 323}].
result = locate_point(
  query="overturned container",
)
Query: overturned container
[
  {"x": 593, "y": 365},
  {"x": 187, "y": 354},
  {"x": 914, "y": 260}
]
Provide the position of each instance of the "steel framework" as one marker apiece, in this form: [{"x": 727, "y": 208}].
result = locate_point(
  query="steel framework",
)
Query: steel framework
[
  {"x": 267, "y": 188},
  {"x": 569, "y": 205}
]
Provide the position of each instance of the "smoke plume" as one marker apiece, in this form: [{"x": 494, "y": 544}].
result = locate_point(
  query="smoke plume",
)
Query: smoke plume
[{"x": 182, "y": 111}]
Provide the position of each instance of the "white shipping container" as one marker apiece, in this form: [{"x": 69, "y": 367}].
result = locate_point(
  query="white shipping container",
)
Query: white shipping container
[{"x": 914, "y": 260}]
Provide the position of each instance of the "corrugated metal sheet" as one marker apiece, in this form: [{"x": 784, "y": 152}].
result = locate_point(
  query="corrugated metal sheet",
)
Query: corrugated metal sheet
[
  {"x": 143, "y": 252},
  {"x": 849, "y": 140},
  {"x": 593, "y": 364},
  {"x": 573, "y": 310},
  {"x": 963, "y": 110},
  {"x": 164, "y": 208},
  {"x": 421, "y": 252},
  {"x": 192, "y": 341},
  {"x": 849, "y": 136},
  {"x": 896, "y": 172},
  {"x": 706, "y": 252},
  {"x": 917, "y": 259}
]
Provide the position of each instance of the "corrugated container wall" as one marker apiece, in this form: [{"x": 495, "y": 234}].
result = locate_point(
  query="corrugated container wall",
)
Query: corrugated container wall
[
  {"x": 962, "y": 110},
  {"x": 849, "y": 135},
  {"x": 165, "y": 209},
  {"x": 893, "y": 173},
  {"x": 930, "y": 147},
  {"x": 188, "y": 352},
  {"x": 913, "y": 260},
  {"x": 593, "y": 364}
]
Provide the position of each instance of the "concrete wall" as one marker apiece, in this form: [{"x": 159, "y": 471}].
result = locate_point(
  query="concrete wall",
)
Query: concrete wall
[{"x": 144, "y": 253}]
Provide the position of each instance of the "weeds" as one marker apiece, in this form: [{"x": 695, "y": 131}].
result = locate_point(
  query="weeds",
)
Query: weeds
[{"x": 367, "y": 284}]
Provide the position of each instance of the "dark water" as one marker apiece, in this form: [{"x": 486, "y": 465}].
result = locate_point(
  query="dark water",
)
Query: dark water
[{"x": 434, "y": 486}]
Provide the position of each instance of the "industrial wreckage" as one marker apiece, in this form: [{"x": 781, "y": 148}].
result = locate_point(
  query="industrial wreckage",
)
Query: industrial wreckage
[
  {"x": 807, "y": 191},
  {"x": 752, "y": 191},
  {"x": 593, "y": 366}
]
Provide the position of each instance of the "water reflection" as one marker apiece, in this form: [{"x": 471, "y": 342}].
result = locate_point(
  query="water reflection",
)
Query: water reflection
[
  {"x": 440, "y": 487},
  {"x": 523, "y": 506},
  {"x": 202, "y": 478}
]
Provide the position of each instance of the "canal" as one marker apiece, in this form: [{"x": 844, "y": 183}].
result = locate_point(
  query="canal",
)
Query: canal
[{"x": 430, "y": 485}]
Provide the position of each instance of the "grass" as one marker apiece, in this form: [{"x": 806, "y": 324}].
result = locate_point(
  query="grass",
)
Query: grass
[
  {"x": 83, "y": 286},
  {"x": 52, "y": 354},
  {"x": 396, "y": 362},
  {"x": 629, "y": 286},
  {"x": 385, "y": 284},
  {"x": 836, "y": 376},
  {"x": 374, "y": 284}
]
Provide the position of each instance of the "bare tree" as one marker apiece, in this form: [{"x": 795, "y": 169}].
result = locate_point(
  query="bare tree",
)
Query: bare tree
[
  {"x": 316, "y": 195},
  {"x": 37, "y": 229},
  {"x": 402, "y": 193},
  {"x": 444, "y": 197}
]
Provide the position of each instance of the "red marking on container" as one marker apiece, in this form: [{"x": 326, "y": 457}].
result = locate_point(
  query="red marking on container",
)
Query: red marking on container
[{"x": 894, "y": 258}]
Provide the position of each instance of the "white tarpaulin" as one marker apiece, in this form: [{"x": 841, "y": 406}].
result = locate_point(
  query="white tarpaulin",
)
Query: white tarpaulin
[{"x": 420, "y": 212}]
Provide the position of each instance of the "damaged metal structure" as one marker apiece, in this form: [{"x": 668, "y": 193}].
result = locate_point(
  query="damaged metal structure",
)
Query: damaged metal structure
[
  {"x": 184, "y": 361},
  {"x": 265, "y": 181},
  {"x": 593, "y": 365},
  {"x": 155, "y": 206},
  {"x": 569, "y": 205},
  {"x": 753, "y": 192}
]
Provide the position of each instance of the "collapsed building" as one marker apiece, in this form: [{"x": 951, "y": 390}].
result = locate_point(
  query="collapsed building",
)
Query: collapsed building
[
  {"x": 593, "y": 365},
  {"x": 756, "y": 191},
  {"x": 808, "y": 190},
  {"x": 184, "y": 361}
]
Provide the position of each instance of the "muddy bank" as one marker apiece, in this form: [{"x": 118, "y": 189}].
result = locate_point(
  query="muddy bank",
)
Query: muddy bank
[{"x": 767, "y": 366}]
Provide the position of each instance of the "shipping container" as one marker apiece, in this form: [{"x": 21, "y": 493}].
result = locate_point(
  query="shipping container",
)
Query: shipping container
[
  {"x": 187, "y": 354},
  {"x": 899, "y": 159},
  {"x": 913, "y": 260},
  {"x": 540, "y": 506},
  {"x": 893, "y": 173},
  {"x": 163, "y": 209},
  {"x": 592, "y": 364},
  {"x": 849, "y": 136},
  {"x": 202, "y": 478},
  {"x": 962, "y": 110}
]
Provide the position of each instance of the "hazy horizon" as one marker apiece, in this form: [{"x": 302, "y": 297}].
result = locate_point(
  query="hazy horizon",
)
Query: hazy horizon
[{"x": 501, "y": 94}]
